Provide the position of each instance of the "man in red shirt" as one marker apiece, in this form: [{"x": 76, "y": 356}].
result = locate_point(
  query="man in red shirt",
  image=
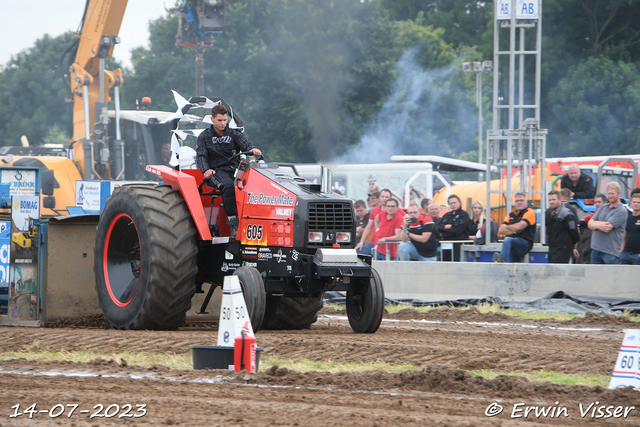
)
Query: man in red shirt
[
  {"x": 598, "y": 201},
  {"x": 372, "y": 226},
  {"x": 390, "y": 230}
]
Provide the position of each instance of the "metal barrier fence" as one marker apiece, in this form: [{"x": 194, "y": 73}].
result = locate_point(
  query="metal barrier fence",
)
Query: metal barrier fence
[
  {"x": 443, "y": 281},
  {"x": 444, "y": 246},
  {"x": 387, "y": 252}
]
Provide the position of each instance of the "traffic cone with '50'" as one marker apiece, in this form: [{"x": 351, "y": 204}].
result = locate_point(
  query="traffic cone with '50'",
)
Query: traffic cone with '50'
[{"x": 244, "y": 351}]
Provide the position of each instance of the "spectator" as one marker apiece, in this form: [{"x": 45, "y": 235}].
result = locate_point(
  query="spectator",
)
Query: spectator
[
  {"x": 565, "y": 197},
  {"x": 434, "y": 213},
  {"x": 454, "y": 226},
  {"x": 584, "y": 246},
  {"x": 415, "y": 195},
  {"x": 362, "y": 218},
  {"x": 391, "y": 222},
  {"x": 372, "y": 184},
  {"x": 418, "y": 236},
  {"x": 480, "y": 238},
  {"x": 630, "y": 250},
  {"x": 373, "y": 199},
  {"x": 608, "y": 226},
  {"x": 165, "y": 154},
  {"x": 520, "y": 228},
  {"x": 372, "y": 226},
  {"x": 562, "y": 231},
  {"x": 579, "y": 183},
  {"x": 398, "y": 197},
  {"x": 598, "y": 201},
  {"x": 477, "y": 221},
  {"x": 424, "y": 207}
]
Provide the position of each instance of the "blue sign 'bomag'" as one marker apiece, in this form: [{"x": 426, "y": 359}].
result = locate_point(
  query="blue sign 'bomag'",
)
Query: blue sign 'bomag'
[{"x": 28, "y": 204}]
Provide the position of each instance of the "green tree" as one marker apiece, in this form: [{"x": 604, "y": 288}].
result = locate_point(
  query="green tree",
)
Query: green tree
[
  {"x": 55, "y": 135},
  {"x": 594, "y": 26},
  {"x": 597, "y": 110},
  {"x": 35, "y": 95},
  {"x": 306, "y": 76},
  {"x": 575, "y": 30},
  {"x": 465, "y": 22},
  {"x": 158, "y": 69},
  {"x": 333, "y": 64},
  {"x": 33, "y": 92}
]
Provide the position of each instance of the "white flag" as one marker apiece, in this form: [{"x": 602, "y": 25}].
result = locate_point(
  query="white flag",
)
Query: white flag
[{"x": 175, "y": 149}]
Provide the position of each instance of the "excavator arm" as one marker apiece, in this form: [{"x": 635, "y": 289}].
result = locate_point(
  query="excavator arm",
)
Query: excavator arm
[
  {"x": 95, "y": 147},
  {"x": 90, "y": 85}
]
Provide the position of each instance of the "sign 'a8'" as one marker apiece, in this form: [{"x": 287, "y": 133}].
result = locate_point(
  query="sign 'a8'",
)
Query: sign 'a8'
[
  {"x": 527, "y": 9},
  {"x": 524, "y": 9},
  {"x": 503, "y": 9}
]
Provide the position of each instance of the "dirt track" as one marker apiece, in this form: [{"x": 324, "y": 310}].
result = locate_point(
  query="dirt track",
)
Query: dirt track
[{"x": 442, "y": 343}]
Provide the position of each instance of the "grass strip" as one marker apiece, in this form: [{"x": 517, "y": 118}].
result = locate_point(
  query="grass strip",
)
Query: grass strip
[
  {"x": 333, "y": 365},
  {"x": 184, "y": 362},
  {"x": 491, "y": 308},
  {"x": 143, "y": 359},
  {"x": 549, "y": 376},
  {"x": 495, "y": 308}
]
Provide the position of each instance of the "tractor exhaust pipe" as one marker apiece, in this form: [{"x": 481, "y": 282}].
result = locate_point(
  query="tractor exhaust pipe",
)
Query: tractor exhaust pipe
[{"x": 326, "y": 179}]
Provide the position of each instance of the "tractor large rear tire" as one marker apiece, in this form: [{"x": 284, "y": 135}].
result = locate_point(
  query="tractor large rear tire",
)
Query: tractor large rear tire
[
  {"x": 145, "y": 258},
  {"x": 291, "y": 313},
  {"x": 365, "y": 309},
  {"x": 254, "y": 294}
]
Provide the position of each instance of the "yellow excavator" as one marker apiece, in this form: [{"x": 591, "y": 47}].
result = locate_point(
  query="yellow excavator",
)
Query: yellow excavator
[
  {"x": 26, "y": 240},
  {"x": 108, "y": 144}
]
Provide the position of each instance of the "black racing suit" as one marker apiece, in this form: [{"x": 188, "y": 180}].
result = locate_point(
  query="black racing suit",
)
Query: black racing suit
[
  {"x": 213, "y": 152},
  {"x": 562, "y": 234},
  {"x": 459, "y": 220}
]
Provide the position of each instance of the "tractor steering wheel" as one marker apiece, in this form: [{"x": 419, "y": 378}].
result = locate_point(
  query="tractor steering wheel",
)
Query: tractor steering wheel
[{"x": 246, "y": 153}]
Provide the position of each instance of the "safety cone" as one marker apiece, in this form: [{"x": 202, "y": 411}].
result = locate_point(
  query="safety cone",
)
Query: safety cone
[
  {"x": 626, "y": 372},
  {"x": 236, "y": 349},
  {"x": 234, "y": 315}
]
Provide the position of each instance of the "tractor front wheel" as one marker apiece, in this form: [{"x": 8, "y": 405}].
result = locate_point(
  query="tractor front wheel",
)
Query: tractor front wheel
[
  {"x": 254, "y": 295},
  {"x": 365, "y": 306},
  {"x": 145, "y": 258}
]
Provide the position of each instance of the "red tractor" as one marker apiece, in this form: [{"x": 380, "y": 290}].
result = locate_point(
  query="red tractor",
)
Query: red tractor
[{"x": 157, "y": 244}]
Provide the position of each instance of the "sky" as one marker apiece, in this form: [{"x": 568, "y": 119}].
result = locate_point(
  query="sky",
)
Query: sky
[{"x": 26, "y": 21}]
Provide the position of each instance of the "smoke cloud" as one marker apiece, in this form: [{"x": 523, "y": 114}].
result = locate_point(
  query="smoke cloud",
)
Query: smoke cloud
[
  {"x": 316, "y": 61},
  {"x": 426, "y": 113}
]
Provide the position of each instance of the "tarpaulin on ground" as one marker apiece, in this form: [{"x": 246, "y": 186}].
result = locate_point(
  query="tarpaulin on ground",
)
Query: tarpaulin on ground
[
  {"x": 558, "y": 302},
  {"x": 575, "y": 304}
]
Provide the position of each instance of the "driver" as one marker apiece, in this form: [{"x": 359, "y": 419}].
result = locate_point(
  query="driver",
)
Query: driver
[{"x": 216, "y": 145}]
